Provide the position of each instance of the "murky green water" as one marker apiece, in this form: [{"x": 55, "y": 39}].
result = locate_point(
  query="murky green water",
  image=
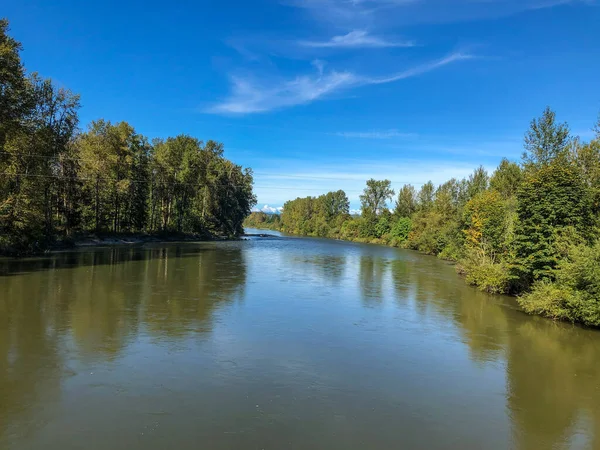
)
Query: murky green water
[{"x": 281, "y": 344}]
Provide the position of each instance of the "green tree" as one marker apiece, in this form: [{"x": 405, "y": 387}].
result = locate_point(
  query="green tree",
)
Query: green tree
[
  {"x": 549, "y": 199},
  {"x": 425, "y": 196},
  {"x": 406, "y": 204},
  {"x": 507, "y": 178},
  {"x": 485, "y": 216},
  {"x": 587, "y": 158},
  {"x": 478, "y": 182},
  {"x": 335, "y": 203},
  {"x": 114, "y": 170},
  {"x": 545, "y": 141},
  {"x": 375, "y": 196},
  {"x": 15, "y": 98}
]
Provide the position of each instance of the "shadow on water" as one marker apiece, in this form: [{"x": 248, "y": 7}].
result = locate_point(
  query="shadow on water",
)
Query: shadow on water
[
  {"x": 108, "y": 300},
  {"x": 552, "y": 369},
  {"x": 99, "y": 256}
]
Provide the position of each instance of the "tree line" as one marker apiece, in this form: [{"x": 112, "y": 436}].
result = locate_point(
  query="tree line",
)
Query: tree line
[
  {"x": 529, "y": 229},
  {"x": 57, "y": 181}
]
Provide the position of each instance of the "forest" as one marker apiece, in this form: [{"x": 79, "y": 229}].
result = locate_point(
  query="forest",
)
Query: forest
[
  {"x": 58, "y": 181},
  {"x": 529, "y": 229}
]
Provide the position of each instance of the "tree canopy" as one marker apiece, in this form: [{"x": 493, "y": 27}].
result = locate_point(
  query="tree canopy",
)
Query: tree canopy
[
  {"x": 56, "y": 181},
  {"x": 531, "y": 229}
]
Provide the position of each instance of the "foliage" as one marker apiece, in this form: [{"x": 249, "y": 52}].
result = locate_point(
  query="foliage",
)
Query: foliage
[
  {"x": 575, "y": 296},
  {"x": 316, "y": 216},
  {"x": 549, "y": 199},
  {"x": 482, "y": 269},
  {"x": 530, "y": 229},
  {"x": 406, "y": 204},
  {"x": 425, "y": 196},
  {"x": 401, "y": 229},
  {"x": 262, "y": 220},
  {"x": 57, "y": 181},
  {"x": 545, "y": 141},
  {"x": 507, "y": 178},
  {"x": 485, "y": 220},
  {"x": 375, "y": 196}
]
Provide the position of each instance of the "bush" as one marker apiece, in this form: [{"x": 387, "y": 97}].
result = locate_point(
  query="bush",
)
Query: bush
[
  {"x": 350, "y": 229},
  {"x": 383, "y": 226},
  {"x": 549, "y": 300},
  {"x": 575, "y": 295},
  {"x": 367, "y": 227},
  {"x": 481, "y": 270},
  {"x": 401, "y": 229},
  {"x": 451, "y": 252}
]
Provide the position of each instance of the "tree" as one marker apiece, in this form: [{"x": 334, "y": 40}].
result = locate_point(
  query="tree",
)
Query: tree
[
  {"x": 375, "y": 196},
  {"x": 545, "y": 141},
  {"x": 587, "y": 158},
  {"x": 485, "y": 216},
  {"x": 55, "y": 181},
  {"x": 425, "y": 196},
  {"x": 335, "y": 203},
  {"x": 114, "y": 170},
  {"x": 15, "y": 99},
  {"x": 506, "y": 178},
  {"x": 406, "y": 204},
  {"x": 549, "y": 200},
  {"x": 31, "y": 161},
  {"x": 478, "y": 182},
  {"x": 446, "y": 198}
]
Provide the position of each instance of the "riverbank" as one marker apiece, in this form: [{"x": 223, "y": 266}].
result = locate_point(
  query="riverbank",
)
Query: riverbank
[
  {"x": 558, "y": 300},
  {"x": 90, "y": 240}
]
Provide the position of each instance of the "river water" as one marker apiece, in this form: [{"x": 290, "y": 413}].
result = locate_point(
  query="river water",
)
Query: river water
[{"x": 281, "y": 343}]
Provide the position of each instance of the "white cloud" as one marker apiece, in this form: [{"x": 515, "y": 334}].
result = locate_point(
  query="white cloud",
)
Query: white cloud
[
  {"x": 269, "y": 209},
  {"x": 387, "y": 134},
  {"x": 252, "y": 97},
  {"x": 357, "y": 39},
  {"x": 394, "y": 13},
  {"x": 247, "y": 97}
]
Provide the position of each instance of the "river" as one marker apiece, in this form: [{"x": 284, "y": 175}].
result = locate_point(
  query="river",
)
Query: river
[{"x": 281, "y": 343}]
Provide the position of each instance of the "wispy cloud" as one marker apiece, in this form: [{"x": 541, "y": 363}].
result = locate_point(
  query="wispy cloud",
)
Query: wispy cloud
[
  {"x": 248, "y": 97},
  {"x": 357, "y": 39},
  {"x": 252, "y": 97},
  {"x": 388, "y": 134},
  {"x": 392, "y": 13}
]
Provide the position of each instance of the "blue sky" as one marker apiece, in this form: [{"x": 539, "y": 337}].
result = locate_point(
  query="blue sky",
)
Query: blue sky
[{"x": 317, "y": 95}]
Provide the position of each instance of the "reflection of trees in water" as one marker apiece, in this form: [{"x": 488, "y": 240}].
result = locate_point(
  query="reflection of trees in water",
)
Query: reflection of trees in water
[
  {"x": 328, "y": 268},
  {"x": 371, "y": 277},
  {"x": 102, "y": 302},
  {"x": 553, "y": 383},
  {"x": 434, "y": 289},
  {"x": 186, "y": 292},
  {"x": 30, "y": 362},
  {"x": 105, "y": 299},
  {"x": 553, "y": 373}
]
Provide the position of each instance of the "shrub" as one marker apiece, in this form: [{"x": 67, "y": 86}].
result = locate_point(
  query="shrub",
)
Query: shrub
[
  {"x": 401, "y": 229},
  {"x": 549, "y": 300},
  {"x": 481, "y": 270},
  {"x": 383, "y": 226},
  {"x": 575, "y": 295},
  {"x": 350, "y": 229}
]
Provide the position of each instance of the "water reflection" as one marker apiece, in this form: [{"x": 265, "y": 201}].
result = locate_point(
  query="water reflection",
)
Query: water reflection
[
  {"x": 91, "y": 305},
  {"x": 372, "y": 271},
  {"x": 73, "y": 310},
  {"x": 552, "y": 370},
  {"x": 554, "y": 385}
]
